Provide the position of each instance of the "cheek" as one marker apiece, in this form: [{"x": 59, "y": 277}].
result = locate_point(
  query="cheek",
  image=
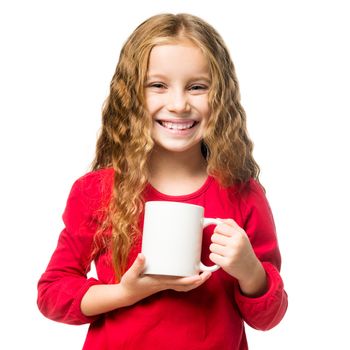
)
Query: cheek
[
  {"x": 206, "y": 114},
  {"x": 152, "y": 103},
  {"x": 204, "y": 107}
]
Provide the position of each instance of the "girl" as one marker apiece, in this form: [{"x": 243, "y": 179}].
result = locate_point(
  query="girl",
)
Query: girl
[{"x": 173, "y": 129}]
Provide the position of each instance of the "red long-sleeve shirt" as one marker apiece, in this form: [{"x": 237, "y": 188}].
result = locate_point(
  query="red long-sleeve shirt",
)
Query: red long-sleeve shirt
[{"x": 208, "y": 317}]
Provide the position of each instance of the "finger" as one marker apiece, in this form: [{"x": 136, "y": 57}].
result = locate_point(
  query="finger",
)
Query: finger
[
  {"x": 231, "y": 222},
  {"x": 220, "y": 239},
  {"x": 218, "y": 259},
  {"x": 187, "y": 281},
  {"x": 138, "y": 265},
  {"x": 174, "y": 281},
  {"x": 225, "y": 229},
  {"x": 190, "y": 281},
  {"x": 202, "y": 278},
  {"x": 218, "y": 249}
]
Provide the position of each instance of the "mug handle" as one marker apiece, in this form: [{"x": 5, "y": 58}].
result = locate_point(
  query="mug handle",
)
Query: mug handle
[{"x": 207, "y": 222}]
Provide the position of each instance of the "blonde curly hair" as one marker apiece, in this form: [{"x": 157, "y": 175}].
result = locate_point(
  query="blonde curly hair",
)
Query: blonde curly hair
[{"x": 125, "y": 141}]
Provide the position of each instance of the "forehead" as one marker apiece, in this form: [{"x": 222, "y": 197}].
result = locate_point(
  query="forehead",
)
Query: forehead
[{"x": 181, "y": 57}]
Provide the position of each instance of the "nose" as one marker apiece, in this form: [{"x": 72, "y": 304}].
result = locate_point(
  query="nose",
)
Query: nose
[{"x": 178, "y": 101}]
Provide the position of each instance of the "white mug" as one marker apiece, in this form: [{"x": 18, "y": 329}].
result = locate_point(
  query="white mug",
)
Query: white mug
[{"x": 172, "y": 238}]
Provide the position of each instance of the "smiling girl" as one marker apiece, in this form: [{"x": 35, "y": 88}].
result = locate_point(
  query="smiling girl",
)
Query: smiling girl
[{"x": 173, "y": 129}]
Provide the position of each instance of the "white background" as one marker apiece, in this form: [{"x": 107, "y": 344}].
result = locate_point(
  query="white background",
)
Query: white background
[{"x": 292, "y": 60}]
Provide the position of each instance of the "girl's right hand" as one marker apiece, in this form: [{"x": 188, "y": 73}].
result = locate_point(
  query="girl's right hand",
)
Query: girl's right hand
[
  {"x": 138, "y": 286},
  {"x": 133, "y": 287}
]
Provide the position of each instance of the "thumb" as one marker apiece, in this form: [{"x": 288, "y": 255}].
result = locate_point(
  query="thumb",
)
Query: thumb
[{"x": 138, "y": 265}]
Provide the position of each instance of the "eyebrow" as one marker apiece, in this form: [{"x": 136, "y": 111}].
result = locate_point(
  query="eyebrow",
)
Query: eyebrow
[{"x": 163, "y": 77}]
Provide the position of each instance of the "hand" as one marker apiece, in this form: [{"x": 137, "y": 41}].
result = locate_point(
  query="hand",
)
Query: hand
[
  {"x": 233, "y": 252},
  {"x": 139, "y": 286}
]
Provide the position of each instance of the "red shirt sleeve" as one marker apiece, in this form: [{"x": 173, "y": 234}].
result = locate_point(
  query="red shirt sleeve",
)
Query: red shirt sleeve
[
  {"x": 266, "y": 311},
  {"x": 64, "y": 283}
]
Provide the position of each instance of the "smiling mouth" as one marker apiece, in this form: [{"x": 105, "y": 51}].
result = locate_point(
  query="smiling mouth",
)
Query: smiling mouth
[{"x": 178, "y": 125}]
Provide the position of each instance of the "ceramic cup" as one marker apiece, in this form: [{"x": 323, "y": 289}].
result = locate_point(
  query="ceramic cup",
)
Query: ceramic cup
[{"x": 172, "y": 238}]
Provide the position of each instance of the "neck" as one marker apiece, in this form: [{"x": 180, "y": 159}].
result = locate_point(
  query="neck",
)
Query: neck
[{"x": 177, "y": 173}]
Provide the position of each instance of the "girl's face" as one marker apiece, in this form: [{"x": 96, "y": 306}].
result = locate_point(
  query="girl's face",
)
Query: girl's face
[{"x": 177, "y": 88}]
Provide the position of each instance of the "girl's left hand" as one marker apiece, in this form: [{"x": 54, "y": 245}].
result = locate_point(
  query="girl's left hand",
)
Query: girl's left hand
[{"x": 233, "y": 252}]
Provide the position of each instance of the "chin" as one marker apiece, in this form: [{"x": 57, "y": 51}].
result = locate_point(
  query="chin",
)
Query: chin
[{"x": 176, "y": 148}]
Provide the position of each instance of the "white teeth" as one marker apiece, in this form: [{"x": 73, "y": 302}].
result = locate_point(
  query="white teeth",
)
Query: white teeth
[{"x": 177, "y": 126}]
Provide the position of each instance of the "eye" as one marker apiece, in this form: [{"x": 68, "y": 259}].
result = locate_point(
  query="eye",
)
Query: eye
[
  {"x": 198, "y": 88},
  {"x": 156, "y": 85}
]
